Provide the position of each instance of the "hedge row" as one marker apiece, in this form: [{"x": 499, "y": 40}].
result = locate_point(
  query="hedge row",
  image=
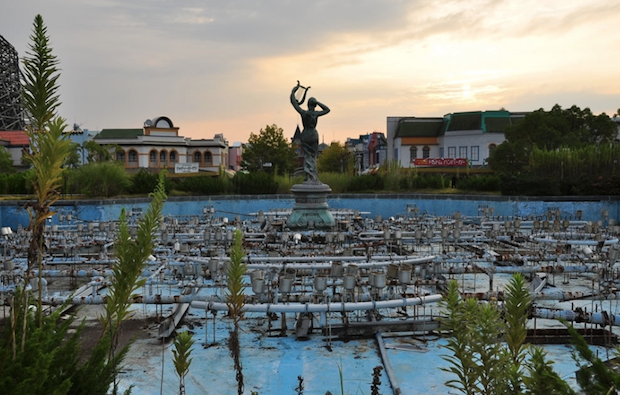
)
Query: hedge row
[{"x": 109, "y": 179}]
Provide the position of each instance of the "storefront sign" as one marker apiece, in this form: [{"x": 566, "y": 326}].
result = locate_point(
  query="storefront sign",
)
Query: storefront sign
[
  {"x": 457, "y": 162},
  {"x": 186, "y": 168}
]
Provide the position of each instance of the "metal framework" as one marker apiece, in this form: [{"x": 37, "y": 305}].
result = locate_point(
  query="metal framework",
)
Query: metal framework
[{"x": 11, "y": 110}]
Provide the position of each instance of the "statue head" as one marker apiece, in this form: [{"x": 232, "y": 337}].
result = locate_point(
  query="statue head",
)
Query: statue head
[{"x": 311, "y": 103}]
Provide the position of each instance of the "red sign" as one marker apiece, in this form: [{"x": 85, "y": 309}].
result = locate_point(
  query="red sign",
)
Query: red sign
[{"x": 457, "y": 162}]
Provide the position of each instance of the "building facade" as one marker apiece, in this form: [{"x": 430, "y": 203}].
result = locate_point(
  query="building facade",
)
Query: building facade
[
  {"x": 158, "y": 146},
  {"x": 369, "y": 150},
  {"x": 466, "y": 135}
]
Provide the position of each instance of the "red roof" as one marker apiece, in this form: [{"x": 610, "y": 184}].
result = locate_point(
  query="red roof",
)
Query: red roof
[{"x": 15, "y": 137}]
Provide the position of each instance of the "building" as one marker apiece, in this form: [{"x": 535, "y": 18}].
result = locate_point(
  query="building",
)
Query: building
[
  {"x": 16, "y": 142},
  {"x": 158, "y": 145},
  {"x": 466, "y": 135},
  {"x": 235, "y": 156},
  {"x": 369, "y": 150}
]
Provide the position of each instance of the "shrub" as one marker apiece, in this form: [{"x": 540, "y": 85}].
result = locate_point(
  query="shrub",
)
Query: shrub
[
  {"x": 202, "y": 185},
  {"x": 14, "y": 184},
  {"x": 428, "y": 181},
  {"x": 144, "y": 182},
  {"x": 527, "y": 184},
  {"x": 102, "y": 179},
  {"x": 366, "y": 183},
  {"x": 486, "y": 183},
  {"x": 255, "y": 183}
]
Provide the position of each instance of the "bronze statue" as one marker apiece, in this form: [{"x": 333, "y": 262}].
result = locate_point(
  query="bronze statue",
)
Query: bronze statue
[{"x": 309, "y": 137}]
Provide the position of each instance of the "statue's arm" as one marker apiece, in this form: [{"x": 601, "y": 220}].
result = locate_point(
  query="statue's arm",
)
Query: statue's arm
[{"x": 324, "y": 109}]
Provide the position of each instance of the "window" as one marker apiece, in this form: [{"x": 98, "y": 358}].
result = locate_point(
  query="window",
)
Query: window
[
  {"x": 426, "y": 152},
  {"x": 451, "y": 152},
  {"x": 120, "y": 156},
  {"x": 491, "y": 148},
  {"x": 208, "y": 158},
  {"x": 133, "y": 156},
  {"x": 462, "y": 152},
  {"x": 441, "y": 152},
  {"x": 163, "y": 155},
  {"x": 173, "y": 157},
  {"x": 197, "y": 157},
  {"x": 475, "y": 153},
  {"x": 153, "y": 158},
  {"x": 413, "y": 153}
]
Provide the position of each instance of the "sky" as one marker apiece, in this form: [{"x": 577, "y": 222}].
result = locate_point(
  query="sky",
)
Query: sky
[{"x": 229, "y": 66}]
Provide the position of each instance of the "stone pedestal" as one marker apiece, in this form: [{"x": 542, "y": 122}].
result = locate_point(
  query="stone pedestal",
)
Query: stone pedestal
[{"x": 311, "y": 210}]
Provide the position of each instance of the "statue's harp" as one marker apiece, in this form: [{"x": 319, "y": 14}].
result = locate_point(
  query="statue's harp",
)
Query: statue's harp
[{"x": 300, "y": 95}]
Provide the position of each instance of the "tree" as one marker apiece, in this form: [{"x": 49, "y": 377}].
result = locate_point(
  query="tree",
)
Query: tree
[
  {"x": 73, "y": 160},
  {"x": 569, "y": 128},
  {"x": 100, "y": 153},
  {"x": 335, "y": 159},
  {"x": 6, "y": 161},
  {"x": 269, "y": 151}
]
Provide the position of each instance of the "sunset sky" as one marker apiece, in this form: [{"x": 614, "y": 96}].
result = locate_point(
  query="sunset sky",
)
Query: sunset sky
[{"x": 229, "y": 66}]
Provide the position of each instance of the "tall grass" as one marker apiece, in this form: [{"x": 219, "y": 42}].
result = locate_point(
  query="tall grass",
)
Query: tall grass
[
  {"x": 565, "y": 163},
  {"x": 338, "y": 182},
  {"x": 391, "y": 173},
  {"x": 286, "y": 182}
]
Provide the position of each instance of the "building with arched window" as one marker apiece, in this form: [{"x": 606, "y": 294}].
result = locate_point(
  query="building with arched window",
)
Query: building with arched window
[
  {"x": 158, "y": 145},
  {"x": 467, "y": 135}
]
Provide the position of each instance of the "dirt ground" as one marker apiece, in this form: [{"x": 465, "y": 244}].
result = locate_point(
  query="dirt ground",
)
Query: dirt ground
[{"x": 136, "y": 329}]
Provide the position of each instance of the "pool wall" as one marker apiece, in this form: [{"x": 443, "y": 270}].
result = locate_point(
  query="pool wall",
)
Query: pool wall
[{"x": 13, "y": 213}]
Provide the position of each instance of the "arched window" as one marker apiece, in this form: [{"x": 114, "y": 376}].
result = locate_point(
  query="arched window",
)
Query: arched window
[
  {"x": 153, "y": 158},
  {"x": 426, "y": 152},
  {"x": 163, "y": 155},
  {"x": 413, "y": 153},
  {"x": 173, "y": 157},
  {"x": 208, "y": 158},
  {"x": 492, "y": 147},
  {"x": 197, "y": 156},
  {"x": 133, "y": 156},
  {"x": 120, "y": 156}
]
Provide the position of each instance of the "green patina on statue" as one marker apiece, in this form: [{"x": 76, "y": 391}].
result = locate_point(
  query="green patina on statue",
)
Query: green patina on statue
[{"x": 309, "y": 137}]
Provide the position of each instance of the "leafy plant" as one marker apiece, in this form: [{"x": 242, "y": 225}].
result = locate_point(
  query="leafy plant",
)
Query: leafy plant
[
  {"x": 182, "y": 350},
  {"x": 131, "y": 255},
  {"x": 488, "y": 352},
  {"x": 593, "y": 376},
  {"x": 235, "y": 302}
]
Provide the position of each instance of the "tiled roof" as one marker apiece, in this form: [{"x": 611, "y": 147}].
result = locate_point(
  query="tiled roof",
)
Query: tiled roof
[
  {"x": 119, "y": 133},
  {"x": 15, "y": 137},
  {"x": 421, "y": 127},
  {"x": 465, "y": 121}
]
